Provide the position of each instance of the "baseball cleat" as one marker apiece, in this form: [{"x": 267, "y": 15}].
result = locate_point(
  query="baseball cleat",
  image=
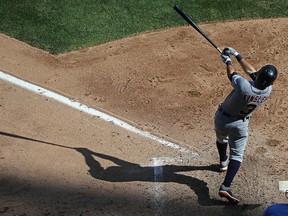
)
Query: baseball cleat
[{"x": 226, "y": 193}]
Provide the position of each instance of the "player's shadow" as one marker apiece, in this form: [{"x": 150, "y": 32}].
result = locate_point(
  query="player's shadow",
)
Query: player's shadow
[{"x": 125, "y": 171}]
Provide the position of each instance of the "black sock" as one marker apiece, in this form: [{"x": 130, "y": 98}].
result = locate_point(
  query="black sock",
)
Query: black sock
[
  {"x": 222, "y": 149},
  {"x": 233, "y": 168}
]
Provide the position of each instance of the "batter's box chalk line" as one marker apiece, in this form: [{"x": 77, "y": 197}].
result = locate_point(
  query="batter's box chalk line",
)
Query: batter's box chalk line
[
  {"x": 91, "y": 111},
  {"x": 283, "y": 186}
]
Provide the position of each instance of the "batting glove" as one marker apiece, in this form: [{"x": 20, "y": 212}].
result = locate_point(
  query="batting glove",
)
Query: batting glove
[
  {"x": 231, "y": 51},
  {"x": 226, "y": 59}
]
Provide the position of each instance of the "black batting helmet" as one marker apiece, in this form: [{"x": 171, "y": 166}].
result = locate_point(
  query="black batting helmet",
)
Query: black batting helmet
[{"x": 266, "y": 76}]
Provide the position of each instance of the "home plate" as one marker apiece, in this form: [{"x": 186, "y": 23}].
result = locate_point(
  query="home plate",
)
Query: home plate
[{"x": 283, "y": 186}]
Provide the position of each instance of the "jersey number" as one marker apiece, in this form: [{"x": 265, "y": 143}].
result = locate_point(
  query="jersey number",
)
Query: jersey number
[{"x": 249, "y": 109}]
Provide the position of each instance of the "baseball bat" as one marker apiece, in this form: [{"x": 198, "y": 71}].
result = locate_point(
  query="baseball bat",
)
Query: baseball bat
[{"x": 195, "y": 26}]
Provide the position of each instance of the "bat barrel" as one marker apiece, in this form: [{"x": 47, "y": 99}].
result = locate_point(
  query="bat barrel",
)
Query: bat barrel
[
  {"x": 184, "y": 15},
  {"x": 194, "y": 25}
]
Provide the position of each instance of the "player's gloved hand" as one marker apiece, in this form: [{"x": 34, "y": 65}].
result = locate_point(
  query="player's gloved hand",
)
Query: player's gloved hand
[
  {"x": 226, "y": 52},
  {"x": 226, "y": 59},
  {"x": 230, "y": 51}
]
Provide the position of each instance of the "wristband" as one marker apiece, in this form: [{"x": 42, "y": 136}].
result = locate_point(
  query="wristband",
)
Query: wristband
[
  {"x": 229, "y": 62},
  {"x": 239, "y": 57}
]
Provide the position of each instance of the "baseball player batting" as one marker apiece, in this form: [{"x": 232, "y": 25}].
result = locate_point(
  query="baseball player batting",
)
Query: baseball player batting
[{"x": 233, "y": 114}]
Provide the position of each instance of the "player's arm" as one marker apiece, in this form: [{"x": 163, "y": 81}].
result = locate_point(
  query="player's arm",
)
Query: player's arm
[
  {"x": 249, "y": 69},
  {"x": 229, "y": 68},
  {"x": 246, "y": 66}
]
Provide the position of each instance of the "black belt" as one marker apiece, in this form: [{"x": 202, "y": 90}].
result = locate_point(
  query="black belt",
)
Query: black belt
[{"x": 232, "y": 116}]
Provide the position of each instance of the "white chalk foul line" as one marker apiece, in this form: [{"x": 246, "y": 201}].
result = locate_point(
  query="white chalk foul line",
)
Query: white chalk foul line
[
  {"x": 158, "y": 190},
  {"x": 91, "y": 111}
]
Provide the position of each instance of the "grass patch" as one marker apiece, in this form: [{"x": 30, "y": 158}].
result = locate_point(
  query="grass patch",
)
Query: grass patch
[{"x": 64, "y": 25}]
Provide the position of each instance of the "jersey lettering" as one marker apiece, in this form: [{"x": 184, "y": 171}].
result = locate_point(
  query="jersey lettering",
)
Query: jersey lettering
[{"x": 255, "y": 99}]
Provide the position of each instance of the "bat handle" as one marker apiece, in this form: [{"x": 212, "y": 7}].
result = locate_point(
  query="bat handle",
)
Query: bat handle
[{"x": 220, "y": 51}]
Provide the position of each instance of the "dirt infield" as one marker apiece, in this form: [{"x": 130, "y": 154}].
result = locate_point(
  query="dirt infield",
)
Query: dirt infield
[{"x": 55, "y": 160}]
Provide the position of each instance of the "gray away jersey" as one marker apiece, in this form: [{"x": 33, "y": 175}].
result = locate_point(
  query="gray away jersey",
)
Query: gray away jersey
[{"x": 244, "y": 98}]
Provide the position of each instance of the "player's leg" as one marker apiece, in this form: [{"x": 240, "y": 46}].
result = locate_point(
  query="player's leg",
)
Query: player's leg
[
  {"x": 222, "y": 151},
  {"x": 237, "y": 141},
  {"x": 225, "y": 188},
  {"x": 221, "y": 131}
]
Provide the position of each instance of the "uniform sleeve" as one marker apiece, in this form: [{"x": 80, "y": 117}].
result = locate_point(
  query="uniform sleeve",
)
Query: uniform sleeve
[
  {"x": 236, "y": 81},
  {"x": 231, "y": 75},
  {"x": 240, "y": 84}
]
